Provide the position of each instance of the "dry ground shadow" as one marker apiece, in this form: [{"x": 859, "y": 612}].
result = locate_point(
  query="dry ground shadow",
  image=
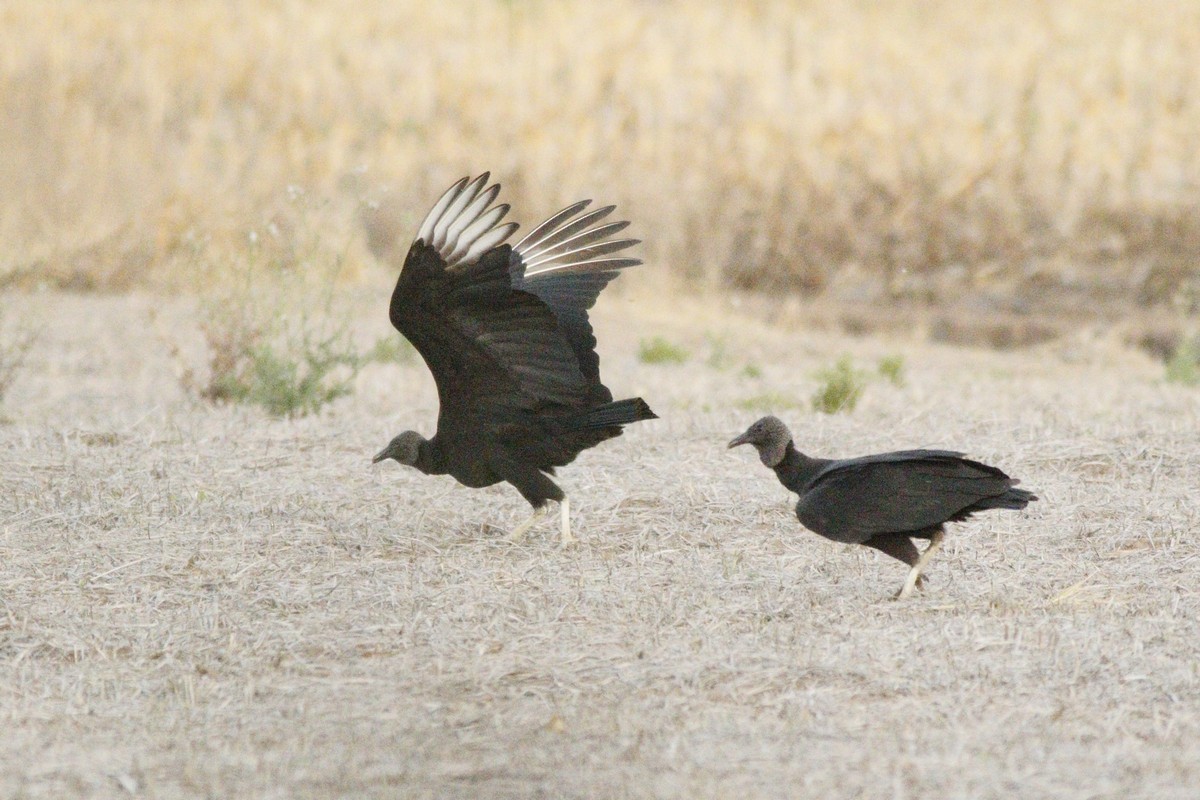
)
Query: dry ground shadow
[{"x": 200, "y": 602}]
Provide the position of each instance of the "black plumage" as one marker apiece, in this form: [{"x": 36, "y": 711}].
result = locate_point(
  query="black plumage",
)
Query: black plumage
[
  {"x": 884, "y": 501},
  {"x": 504, "y": 329}
]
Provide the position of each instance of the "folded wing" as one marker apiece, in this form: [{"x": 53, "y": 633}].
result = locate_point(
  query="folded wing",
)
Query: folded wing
[{"x": 855, "y": 499}]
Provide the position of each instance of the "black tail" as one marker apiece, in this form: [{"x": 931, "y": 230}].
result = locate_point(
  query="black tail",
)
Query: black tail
[
  {"x": 1013, "y": 498},
  {"x": 621, "y": 412}
]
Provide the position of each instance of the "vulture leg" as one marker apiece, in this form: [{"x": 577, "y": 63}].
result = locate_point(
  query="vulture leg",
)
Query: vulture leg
[
  {"x": 565, "y": 514},
  {"x": 565, "y": 509},
  {"x": 914, "y": 575},
  {"x": 899, "y": 547},
  {"x": 537, "y": 489},
  {"x": 538, "y": 515}
]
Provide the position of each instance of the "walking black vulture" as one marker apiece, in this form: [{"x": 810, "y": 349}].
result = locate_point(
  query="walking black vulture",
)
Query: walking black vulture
[
  {"x": 886, "y": 500},
  {"x": 504, "y": 329}
]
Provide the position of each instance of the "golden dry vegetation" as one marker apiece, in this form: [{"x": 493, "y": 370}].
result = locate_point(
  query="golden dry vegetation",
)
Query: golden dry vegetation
[{"x": 1031, "y": 157}]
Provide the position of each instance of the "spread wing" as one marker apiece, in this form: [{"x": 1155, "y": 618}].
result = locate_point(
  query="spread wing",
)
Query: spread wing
[
  {"x": 487, "y": 343},
  {"x": 566, "y": 261},
  {"x": 855, "y": 499}
]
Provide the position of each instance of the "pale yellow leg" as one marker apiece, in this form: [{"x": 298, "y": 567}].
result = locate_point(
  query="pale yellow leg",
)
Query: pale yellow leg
[
  {"x": 565, "y": 511},
  {"x": 914, "y": 574},
  {"x": 519, "y": 532}
]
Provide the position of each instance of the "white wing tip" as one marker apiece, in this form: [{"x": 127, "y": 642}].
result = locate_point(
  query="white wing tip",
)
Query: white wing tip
[
  {"x": 464, "y": 218},
  {"x": 573, "y": 240}
]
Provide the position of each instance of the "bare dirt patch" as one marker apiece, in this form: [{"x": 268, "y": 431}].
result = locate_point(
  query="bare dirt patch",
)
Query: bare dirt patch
[{"x": 202, "y": 601}]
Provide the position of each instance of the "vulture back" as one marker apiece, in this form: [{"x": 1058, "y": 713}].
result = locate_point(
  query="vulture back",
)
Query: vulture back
[{"x": 854, "y": 499}]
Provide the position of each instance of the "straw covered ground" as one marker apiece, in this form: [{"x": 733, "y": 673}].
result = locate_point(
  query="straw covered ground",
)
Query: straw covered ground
[{"x": 201, "y": 601}]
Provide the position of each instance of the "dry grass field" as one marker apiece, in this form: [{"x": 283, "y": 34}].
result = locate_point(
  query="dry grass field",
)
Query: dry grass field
[
  {"x": 201, "y": 601},
  {"x": 1011, "y": 158},
  {"x": 204, "y": 600}
]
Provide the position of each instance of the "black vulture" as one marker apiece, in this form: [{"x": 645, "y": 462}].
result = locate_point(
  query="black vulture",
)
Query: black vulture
[
  {"x": 886, "y": 500},
  {"x": 504, "y": 329}
]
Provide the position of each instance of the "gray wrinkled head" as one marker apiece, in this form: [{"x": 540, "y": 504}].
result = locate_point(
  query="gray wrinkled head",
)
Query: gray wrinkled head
[
  {"x": 404, "y": 448},
  {"x": 770, "y": 438}
]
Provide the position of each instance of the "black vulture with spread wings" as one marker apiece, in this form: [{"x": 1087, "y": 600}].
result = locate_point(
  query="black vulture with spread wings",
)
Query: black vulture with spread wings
[
  {"x": 885, "y": 500},
  {"x": 504, "y": 329}
]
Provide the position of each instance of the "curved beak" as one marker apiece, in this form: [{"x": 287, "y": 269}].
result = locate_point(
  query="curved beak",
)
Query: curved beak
[
  {"x": 380, "y": 456},
  {"x": 743, "y": 439}
]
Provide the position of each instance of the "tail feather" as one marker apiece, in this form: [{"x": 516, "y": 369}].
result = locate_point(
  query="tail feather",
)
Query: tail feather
[
  {"x": 622, "y": 412},
  {"x": 1013, "y": 498}
]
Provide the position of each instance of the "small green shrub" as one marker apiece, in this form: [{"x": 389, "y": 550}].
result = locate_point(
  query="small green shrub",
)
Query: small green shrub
[
  {"x": 290, "y": 370},
  {"x": 1184, "y": 364},
  {"x": 394, "y": 349},
  {"x": 293, "y": 378},
  {"x": 722, "y": 358},
  {"x": 658, "y": 350},
  {"x": 841, "y": 387},
  {"x": 752, "y": 370},
  {"x": 273, "y": 337},
  {"x": 892, "y": 369}
]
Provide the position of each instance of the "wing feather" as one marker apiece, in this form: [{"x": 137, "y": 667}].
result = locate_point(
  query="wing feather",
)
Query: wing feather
[
  {"x": 488, "y": 240},
  {"x": 471, "y": 234},
  {"x": 574, "y": 252},
  {"x": 454, "y": 211},
  {"x": 567, "y": 261},
  {"x": 551, "y": 223},
  {"x": 470, "y": 214},
  {"x": 566, "y": 231},
  {"x": 855, "y": 499},
  {"x": 499, "y": 325},
  {"x": 486, "y": 344},
  {"x": 425, "y": 232}
]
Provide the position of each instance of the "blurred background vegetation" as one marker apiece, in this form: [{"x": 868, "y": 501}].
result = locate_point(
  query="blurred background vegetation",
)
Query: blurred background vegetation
[{"x": 1024, "y": 165}]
